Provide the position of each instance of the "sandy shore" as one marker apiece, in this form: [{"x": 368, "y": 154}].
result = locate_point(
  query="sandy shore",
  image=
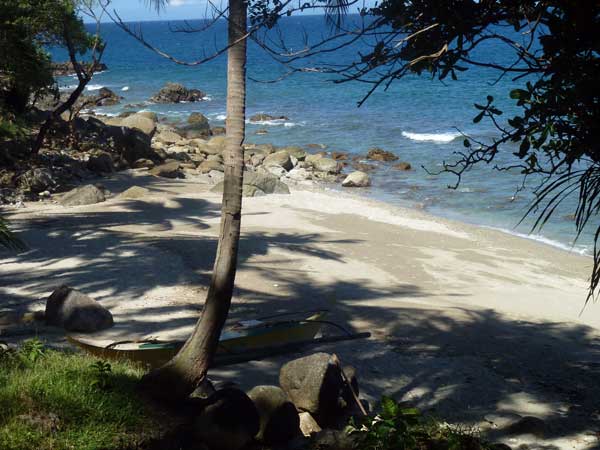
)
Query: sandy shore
[{"x": 474, "y": 324}]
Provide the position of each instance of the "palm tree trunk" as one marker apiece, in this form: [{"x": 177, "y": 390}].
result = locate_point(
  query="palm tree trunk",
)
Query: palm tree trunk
[{"x": 180, "y": 376}]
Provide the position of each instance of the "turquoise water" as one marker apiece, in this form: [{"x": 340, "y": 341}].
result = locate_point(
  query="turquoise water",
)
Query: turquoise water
[{"x": 417, "y": 118}]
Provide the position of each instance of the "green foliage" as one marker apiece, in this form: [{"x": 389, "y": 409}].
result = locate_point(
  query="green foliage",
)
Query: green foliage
[
  {"x": 398, "y": 428},
  {"x": 102, "y": 371},
  {"x": 51, "y": 402},
  {"x": 27, "y": 26}
]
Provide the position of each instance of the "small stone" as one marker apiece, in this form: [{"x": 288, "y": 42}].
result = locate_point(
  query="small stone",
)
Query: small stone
[
  {"x": 279, "y": 421},
  {"x": 528, "y": 425},
  {"x": 327, "y": 165},
  {"x": 143, "y": 163},
  {"x": 168, "y": 170}
]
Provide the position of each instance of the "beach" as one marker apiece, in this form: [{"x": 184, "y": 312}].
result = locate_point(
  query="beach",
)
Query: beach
[{"x": 476, "y": 325}]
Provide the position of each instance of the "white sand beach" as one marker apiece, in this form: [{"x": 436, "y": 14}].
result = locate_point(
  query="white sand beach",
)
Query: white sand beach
[{"x": 473, "y": 324}]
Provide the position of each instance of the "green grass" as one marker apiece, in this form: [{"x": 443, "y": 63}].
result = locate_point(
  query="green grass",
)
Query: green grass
[{"x": 51, "y": 400}]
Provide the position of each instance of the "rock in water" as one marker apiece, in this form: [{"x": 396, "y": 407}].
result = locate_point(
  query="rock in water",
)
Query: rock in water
[
  {"x": 378, "y": 154},
  {"x": 228, "y": 421},
  {"x": 176, "y": 93},
  {"x": 75, "y": 311},
  {"x": 314, "y": 384},
  {"x": 83, "y": 195},
  {"x": 279, "y": 421},
  {"x": 357, "y": 179},
  {"x": 403, "y": 166},
  {"x": 266, "y": 117}
]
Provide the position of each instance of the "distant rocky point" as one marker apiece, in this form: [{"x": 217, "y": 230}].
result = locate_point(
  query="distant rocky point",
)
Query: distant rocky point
[{"x": 64, "y": 69}]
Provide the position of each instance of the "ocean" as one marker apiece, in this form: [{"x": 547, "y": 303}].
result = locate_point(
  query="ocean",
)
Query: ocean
[{"x": 418, "y": 118}]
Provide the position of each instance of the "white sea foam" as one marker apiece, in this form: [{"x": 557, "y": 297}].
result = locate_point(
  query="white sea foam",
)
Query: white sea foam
[
  {"x": 275, "y": 123},
  {"x": 221, "y": 117},
  {"x": 125, "y": 88},
  {"x": 579, "y": 249},
  {"x": 431, "y": 137},
  {"x": 94, "y": 87},
  {"x": 67, "y": 88}
]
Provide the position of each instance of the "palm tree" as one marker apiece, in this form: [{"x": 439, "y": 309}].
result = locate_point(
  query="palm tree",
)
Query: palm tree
[{"x": 181, "y": 375}]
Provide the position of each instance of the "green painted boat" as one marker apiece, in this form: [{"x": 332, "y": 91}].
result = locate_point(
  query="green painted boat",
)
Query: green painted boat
[{"x": 241, "y": 342}]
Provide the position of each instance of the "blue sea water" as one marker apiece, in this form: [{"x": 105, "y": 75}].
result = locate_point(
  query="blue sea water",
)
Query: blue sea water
[{"x": 418, "y": 118}]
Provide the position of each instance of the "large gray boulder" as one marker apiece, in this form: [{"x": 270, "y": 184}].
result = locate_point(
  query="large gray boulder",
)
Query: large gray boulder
[
  {"x": 176, "y": 93},
  {"x": 228, "y": 421},
  {"x": 357, "y": 179},
  {"x": 279, "y": 421},
  {"x": 140, "y": 122},
  {"x": 327, "y": 165},
  {"x": 279, "y": 159},
  {"x": 83, "y": 195},
  {"x": 258, "y": 183},
  {"x": 73, "y": 310},
  {"x": 314, "y": 384}
]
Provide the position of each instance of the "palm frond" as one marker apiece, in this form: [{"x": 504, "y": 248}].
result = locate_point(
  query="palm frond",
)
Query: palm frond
[
  {"x": 8, "y": 240},
  {"x": 335, "y": 10},
  {"x": 158, "y": 5}
]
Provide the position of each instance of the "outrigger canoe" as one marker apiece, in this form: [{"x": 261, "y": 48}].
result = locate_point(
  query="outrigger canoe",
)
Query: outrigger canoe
[{"x": 244, "y": 341}]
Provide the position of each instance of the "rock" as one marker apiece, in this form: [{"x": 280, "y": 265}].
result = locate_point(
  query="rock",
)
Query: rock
[
  {"x": 299, "y": 174},
  {"x": 167, "y": 170},
  {"x": 266, "y": 117},
  {"x": 228, "y": 421},
  {"x": 280, "y": 158},
  {"x": 143, "y": 163},
  {"x": 133, "y": 144},
  {"x": 75, "y": 311},
  {"x": 83, "y": 195},
  {"x": 276, "y": 171},
  {"x": 402, "y": 166},
  {"x": 106, "y": 97},
  {"x": 310, "y": 159},
  {"x": 528, "y": 425},
  {"x": 168, "y": 137},
  {"x": 279, "y": 421},
  {"x": 134, "y": 192},
  {"x": 296, "y": 152},
  {"x": 378, "y": 154},
  {"x": 308, "y": 424},
  {"x": 101, "y": 162},
  {"x": 62, "y": 69},
  {"x": 357, "y": 179},
  {"x": 208, "y": 166},
  {"x": 261, "y": 131},
  {"x": 363, "y": 167},
  {"x": 149, "y": 114},
  {"x": 339, "y": 156},
  {"x": 257, "y": 160},
  {"x": 316, "y": 146},
  {"x": 36, "y": 180},
  {"x": 258, "y": 183},
  {"x": 176, "y": 93},
  {"x": 218, "y": 131},
  {"x": 197, "y": 126},
  {"x": 327, "y": 165},
  {"x": 216, "y": 176},
  {"x": 314, "y": 384},
  {"x": 142, "y": 123}
]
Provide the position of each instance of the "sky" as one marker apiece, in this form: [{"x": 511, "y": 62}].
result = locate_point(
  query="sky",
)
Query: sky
[{"x": 139, "y": 10}]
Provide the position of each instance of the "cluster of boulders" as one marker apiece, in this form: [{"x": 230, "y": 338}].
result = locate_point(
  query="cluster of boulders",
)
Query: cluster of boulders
[
  {"x": 177, "y": 93},
  {"x": 140, "y": 140},
  {"x": 313, "y": 400}
]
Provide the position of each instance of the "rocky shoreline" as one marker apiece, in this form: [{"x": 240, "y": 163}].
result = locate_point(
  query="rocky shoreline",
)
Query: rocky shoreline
[{"x": 101, "y": 145}]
